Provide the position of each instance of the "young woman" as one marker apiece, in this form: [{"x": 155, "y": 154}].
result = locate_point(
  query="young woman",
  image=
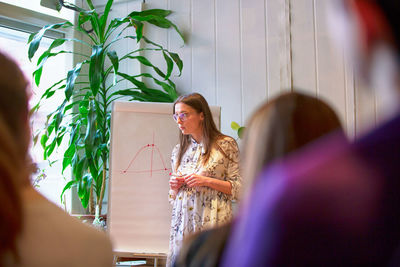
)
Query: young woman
[{"x": 205, "y": 175}]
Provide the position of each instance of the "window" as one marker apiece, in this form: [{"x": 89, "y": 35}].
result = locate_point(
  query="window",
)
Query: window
[{"x": 14, "y": 34}]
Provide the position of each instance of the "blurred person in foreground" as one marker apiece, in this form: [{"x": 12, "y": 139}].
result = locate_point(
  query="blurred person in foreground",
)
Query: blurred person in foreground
[
  {"x": 33, "y": 231},
  {"x": 336, "y": 204},
  {"x": 281, "y": 126}
]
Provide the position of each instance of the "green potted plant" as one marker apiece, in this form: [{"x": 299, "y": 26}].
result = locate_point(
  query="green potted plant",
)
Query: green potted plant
[{"x": 83, "y": 118}]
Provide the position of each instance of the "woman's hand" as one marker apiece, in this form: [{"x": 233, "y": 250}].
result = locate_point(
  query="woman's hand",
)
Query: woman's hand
[
  {"x": 195, "y": 180},
  {"x": 176, "y": 182}
]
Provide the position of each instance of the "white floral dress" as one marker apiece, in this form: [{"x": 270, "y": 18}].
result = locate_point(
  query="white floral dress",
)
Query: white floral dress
[{"x": 196, "y": 209}]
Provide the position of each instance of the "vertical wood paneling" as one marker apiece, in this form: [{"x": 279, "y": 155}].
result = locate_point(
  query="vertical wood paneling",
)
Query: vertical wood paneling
[
  {"x": 254, "y": 78},
  {"x": 304, "y": 56},
  {"x": 228, "y": 61},
  {"x": 277, "y": 43},
  {"x": 241, "y": 52},
  {"x": 203, "y": 44},
  {"x": 329, "y": 72},
  {"x": 181, "y": 16},
  {"x": 119, "y": 10},
  {"x": 159, "y": 36}
]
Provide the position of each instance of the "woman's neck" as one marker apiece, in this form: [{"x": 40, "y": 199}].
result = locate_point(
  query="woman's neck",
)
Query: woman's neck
[{"x": 198, "y": 138}]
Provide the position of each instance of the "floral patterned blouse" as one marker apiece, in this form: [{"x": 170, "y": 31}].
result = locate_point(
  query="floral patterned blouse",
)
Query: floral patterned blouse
[{"x": 198, "y": 208}]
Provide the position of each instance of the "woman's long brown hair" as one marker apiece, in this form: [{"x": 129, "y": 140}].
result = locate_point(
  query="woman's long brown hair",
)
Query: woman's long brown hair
[
  {"x": 14, "y": 144},
  {"x": 210, "y": 131}
]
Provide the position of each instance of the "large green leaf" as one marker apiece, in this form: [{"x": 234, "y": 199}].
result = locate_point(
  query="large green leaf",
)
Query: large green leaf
[
  {"x": 104, "y": 17},
  {"x": 168, "y": 87},
  {"x": 112, "y": 55},
  {"x": 45, "y": 55},
  {"x": 175, "y": 57},
  {"x": 90, "y": 130},
  {"x": 141, "y": 96},
  {"x": 50, "y": 89},
  {"x": 68, "y": 155},
  {"x": 170, "y": 65},
  {"x": 35, "y": 38},
  {"x": 59, "y": 116},
  {"x": 140, "y": 85},
  {"x": 96, "y": 68},
  {"x": 90, "y": 4},
  {"x": 50, "y": 148},
  {"x": 146, "y": 62},
  {"x": 71, "y": 77},
  {"x": 84, "y": 189},
  {"x": 43, "y": 140},
  {"x": 138, "y": 28},
  {"x": 115, "y": 23},
  {"x": 37, "y": 74},
  {"x": 84, "y": 17},
  {"x": 68, "y": 186},
  {"x": 159, "y": 21},
  {"x": 92, "y": 168},
  {"x": 137, "y": 95},
  {"x": 156, "y": 12},
  {"x": 78, "y": 166},
  {"x": 60, "y": 135},
  {"x": 93, "y": 17}
]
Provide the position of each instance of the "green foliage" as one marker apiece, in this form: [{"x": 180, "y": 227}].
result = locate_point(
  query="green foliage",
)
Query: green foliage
[
  {"x": 239, "y": 129},
  {"x": 83, "y": 118}
]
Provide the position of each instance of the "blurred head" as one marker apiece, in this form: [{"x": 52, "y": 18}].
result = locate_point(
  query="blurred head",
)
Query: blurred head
[
  {"x": 14, "y": 142},
  {"x": 281, "y": 126},
  {"x": 194, "y": 119}
]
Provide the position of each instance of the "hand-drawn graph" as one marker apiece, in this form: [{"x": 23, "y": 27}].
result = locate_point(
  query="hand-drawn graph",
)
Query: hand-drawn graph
[{"x": 132, "y": 168}]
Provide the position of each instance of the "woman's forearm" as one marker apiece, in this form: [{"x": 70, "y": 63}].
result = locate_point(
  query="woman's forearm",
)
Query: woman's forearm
[{"x": 219, "y": 185}]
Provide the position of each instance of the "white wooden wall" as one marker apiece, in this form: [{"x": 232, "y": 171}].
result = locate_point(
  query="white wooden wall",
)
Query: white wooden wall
[{"x": 239, "y": 53}]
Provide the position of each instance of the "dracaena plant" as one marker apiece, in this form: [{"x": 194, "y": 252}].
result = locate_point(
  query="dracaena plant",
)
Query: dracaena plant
[{"x": 82, "y": 120}]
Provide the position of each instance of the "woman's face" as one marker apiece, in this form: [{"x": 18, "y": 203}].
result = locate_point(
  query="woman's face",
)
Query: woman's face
[{"x": 189, "y": 121}]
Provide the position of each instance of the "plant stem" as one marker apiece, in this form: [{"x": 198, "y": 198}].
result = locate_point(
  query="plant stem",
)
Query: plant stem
[
  {"x": 91, "y": 202},
  {"x": 102, "y": 187},
  {"x": 104, "y": 153}
]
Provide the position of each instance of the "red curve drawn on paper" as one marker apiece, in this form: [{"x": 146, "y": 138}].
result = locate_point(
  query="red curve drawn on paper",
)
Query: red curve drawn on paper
[{"x": 151, "y": 170}]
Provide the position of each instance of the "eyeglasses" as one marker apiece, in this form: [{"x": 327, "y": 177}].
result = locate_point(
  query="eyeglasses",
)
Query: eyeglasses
[{"x": 181, "y": 116}]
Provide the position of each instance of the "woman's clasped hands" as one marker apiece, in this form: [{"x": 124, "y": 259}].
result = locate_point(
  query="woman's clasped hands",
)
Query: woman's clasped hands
[{"x": 191, "y": 180}]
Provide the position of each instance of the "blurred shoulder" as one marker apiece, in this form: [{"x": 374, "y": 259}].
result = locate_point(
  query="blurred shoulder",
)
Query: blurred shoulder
[
  {"x": 314, "y": 184},
  {"x": 46, "y": 224}
]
